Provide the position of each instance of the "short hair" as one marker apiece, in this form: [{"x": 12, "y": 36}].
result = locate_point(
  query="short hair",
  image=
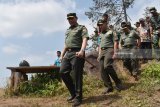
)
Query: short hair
[{"x": 58, "y": 51}]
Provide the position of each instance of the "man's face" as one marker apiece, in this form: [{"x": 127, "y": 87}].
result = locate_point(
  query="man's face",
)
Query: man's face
[
  {"x": 104, "y": 26},
  {"x": 58, "y": 54},
  {"x": 125, "y": 30},
  {"x": 153, "y": 13},
  {"x": 72, "y": 21},
  {"x": 142, "y": 22},
  {"x": 137, "y": 24}
]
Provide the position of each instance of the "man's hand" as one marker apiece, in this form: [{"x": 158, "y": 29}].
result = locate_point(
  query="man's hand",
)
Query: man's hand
[
  {"x": 114, "y": 56},
  {"x": 80, "y": 54},
  {"x": 61, "y": 57}
]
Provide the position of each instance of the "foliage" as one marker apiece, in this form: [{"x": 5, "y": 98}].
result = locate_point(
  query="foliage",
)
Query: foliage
[
  {"x": 91, "y": 84},
  {"x": 152, "y": 71},
  {"x": 146, "y": 12},
  {"x": 115, "y": 9},
  {"x": 41, "y": 85}
]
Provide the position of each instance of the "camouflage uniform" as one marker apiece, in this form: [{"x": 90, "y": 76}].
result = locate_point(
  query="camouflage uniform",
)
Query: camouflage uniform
[
  {"x": 73, "y": 41},
  {"x": 106, "y": 61},
  {"x": 129, "y": 46},
  {"x": 155, "y": 24}
]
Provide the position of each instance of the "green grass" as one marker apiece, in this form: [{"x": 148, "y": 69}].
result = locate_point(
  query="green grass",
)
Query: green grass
[{"x": 138, "y": 94}]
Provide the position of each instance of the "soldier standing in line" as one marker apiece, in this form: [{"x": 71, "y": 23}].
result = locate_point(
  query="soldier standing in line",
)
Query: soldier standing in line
[
  {"x": 155, "y": 30},
  {"x": 108, "y": 46},
  {"x": 128, "y": 42},
  {"x": 73, "y": 58}
]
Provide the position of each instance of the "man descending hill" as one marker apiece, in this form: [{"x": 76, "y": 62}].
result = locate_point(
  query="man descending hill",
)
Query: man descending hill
[
  {"x": 73, "y": 58},
  {"x": 108, "y": 45},
  {"x": 129, "y": 44}
]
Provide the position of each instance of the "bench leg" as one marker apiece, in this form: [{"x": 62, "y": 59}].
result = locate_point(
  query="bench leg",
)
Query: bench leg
[
  {"x": 11, "y": 85},
  {"x": 17, "y": 79}
]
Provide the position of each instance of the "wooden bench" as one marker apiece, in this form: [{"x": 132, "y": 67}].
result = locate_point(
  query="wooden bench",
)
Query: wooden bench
[{"x": 18, "y": 74}]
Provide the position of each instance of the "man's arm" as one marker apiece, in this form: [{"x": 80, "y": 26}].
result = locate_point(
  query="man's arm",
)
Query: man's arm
[
  {"x": 85, "y": 38},
  {"x": 115, "y": 49},
  {"x": 63, "y": 52},
  {"x": 83, "y": 47}
]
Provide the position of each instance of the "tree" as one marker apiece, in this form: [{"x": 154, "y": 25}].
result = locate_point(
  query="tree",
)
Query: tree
[
  {"x": 147, "y": 13},
  {"x": 115, "y": 8}
]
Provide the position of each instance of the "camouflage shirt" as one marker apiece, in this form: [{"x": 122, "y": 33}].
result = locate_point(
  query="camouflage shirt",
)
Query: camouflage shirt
[
  {"x": 129, "y": 39},
  {"x": 74, "y": 36},
  {"x": 155, "y": 22}
]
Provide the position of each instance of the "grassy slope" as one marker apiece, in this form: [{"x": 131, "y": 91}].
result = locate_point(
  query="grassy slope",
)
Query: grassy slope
[{"x": 144, "y": 93}]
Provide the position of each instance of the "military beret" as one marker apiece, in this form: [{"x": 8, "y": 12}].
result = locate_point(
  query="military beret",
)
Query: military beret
[
  {"x": 152, "y": 9},
  {"x": 71, "y": 15}
]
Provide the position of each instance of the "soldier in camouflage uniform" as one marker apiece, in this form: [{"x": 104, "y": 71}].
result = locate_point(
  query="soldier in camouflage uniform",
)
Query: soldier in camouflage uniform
[
  {"x": 155, "y": 30},
  {"x": 128, "y": 42},
  {"x": 108, "y": 45},
  {"x": 73, "y": 58}
]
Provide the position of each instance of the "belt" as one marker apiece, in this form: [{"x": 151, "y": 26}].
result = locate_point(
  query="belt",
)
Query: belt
[
  {"x": 73, "y": 49},
  {"x": 104, "y": 48}
]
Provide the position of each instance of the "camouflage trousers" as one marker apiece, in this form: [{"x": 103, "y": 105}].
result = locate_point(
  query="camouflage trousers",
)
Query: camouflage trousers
[
  {"x": 71, "y": 71},
  {"x": 106, "y": 68},
  {"x": 156, "y": 46},
  {"x": 130, "y": 60}
]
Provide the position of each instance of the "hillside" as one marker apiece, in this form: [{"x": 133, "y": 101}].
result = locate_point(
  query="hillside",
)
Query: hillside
[{"x": 144, "y": 93}]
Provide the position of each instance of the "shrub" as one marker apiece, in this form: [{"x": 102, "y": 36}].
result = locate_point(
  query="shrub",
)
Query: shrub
[{"x": 152, "y": 71}]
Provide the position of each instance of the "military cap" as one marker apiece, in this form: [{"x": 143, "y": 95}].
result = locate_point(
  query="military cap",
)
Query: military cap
[
  {"x": 123, "y": 25},
  {"x": 152, "y": 9},
  {"x": 101, "y": 21},
  {"x": 71, "y": 15}
]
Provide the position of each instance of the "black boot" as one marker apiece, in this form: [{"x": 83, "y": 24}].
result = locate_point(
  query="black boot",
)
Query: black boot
[
  {"x": 76, "y": 102},
  {"x": 119, "y": 87},
  {"x": 71, "y": 98}
]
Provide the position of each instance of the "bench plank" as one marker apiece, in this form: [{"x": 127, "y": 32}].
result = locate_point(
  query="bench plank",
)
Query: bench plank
[
  {"x": 18, "y": 72},
  {"x": 34, "y": 69}
]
